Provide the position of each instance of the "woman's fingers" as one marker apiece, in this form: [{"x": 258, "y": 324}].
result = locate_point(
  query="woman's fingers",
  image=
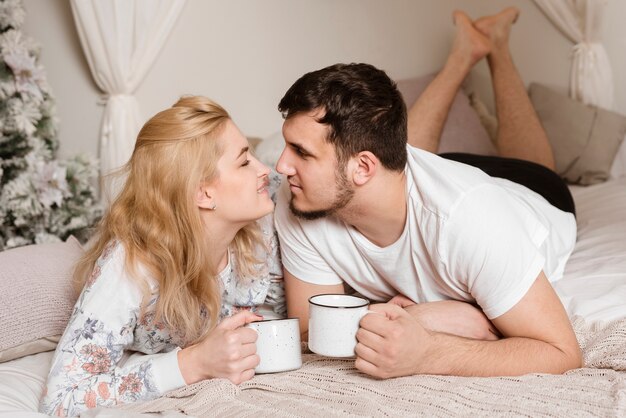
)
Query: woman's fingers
[{"x": 239, "y": 319}]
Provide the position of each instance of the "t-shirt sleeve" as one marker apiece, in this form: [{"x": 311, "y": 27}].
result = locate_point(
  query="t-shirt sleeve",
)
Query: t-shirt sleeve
[
  {"x": 88, "y": 367},
  {"x": 491, "y": 247},
  {"x": 298, "y": 254}
]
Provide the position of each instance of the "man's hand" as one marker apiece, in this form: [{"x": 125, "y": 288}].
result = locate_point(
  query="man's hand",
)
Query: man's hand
[
  {"x": 391, "y": 343},
  {"x": 402, "y": 301},
  {"x": 450, "y": 317}
]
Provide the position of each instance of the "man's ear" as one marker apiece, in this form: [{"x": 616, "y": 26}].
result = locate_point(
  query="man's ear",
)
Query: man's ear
[
  {"x": 204, "y": 197},
  {"x": 365, "y": 165}
]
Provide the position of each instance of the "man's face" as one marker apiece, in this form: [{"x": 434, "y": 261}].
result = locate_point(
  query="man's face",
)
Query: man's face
[{"x": 318, "y": 186}]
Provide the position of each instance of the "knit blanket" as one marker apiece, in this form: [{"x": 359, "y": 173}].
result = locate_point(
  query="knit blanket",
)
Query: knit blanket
[{"x": 327, "y": 387}]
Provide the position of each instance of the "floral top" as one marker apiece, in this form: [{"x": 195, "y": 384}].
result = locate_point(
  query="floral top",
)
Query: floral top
[{"x": 108, "y": 355}]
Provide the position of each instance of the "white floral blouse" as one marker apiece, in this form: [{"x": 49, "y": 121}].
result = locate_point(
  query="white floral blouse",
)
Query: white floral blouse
[{"x": 107, "y": 355}]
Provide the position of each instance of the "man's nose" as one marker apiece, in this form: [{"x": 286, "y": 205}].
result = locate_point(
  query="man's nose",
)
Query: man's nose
[{"x": 283, "y": 165}]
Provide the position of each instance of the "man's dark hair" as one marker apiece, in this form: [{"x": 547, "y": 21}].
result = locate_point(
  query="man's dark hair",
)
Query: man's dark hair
[{"x": 361, "y": 105}]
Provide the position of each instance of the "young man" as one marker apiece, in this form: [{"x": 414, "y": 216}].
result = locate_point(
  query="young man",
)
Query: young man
[{"x": 431, "y": 236}]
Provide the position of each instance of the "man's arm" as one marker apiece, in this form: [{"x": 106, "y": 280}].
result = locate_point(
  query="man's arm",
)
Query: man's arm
[
  {"x": 450, "y": 317},
  {"x": 538, "y": 338},
  {"x": 298, "y": 293}
]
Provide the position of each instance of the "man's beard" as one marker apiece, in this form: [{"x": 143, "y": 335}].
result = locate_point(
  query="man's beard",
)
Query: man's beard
[{"x": 344, "y": 195}]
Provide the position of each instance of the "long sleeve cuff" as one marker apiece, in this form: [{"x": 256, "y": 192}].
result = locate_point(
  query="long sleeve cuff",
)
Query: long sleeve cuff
[{"x": 167, "y": 375}]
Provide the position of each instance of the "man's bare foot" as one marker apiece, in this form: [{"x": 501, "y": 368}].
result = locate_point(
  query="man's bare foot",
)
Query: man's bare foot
[
  {"x": 498, "y": 27},
  {"x": 469, "y": 45}
]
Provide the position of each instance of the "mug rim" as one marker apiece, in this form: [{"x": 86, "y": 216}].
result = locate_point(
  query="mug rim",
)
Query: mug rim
[
  {"x": 273, "y": 319},
  {"x": 366, "y": 302}
]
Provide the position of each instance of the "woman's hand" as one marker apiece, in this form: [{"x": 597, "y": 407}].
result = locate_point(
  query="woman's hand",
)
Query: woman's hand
[{"x": 229, "y": 351}]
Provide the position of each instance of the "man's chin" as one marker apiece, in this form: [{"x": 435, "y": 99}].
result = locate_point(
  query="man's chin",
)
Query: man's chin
[{"x": 308, "y": 215}]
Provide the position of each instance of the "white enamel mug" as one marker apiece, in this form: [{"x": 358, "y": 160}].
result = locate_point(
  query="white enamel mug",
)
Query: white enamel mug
[
  {"x": 278, "y": 345},
  {"x": 333, "y": 323}
]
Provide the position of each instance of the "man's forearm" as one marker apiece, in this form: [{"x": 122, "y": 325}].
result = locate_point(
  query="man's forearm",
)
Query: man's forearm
[
  {"x": 463, "y": 343},
  {"x": 453, "y": 355}
]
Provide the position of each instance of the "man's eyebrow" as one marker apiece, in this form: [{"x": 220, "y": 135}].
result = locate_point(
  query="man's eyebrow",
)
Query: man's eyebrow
[{"x": 300, "y": 147}]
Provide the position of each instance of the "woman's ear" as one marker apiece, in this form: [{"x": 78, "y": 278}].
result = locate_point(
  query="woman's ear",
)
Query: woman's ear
[
  {"x": 365, "y": 166},
  {"x": 204, "y": 198}
]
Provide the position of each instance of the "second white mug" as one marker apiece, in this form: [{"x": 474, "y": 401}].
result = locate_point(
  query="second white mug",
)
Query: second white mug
[{"x": 333, "y": 323}]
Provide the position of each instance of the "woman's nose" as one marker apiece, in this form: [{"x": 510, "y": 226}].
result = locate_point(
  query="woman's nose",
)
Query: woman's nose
[{"x": 262, "y": 169}]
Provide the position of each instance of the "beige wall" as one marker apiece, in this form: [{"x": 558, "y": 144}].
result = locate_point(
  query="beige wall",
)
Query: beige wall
[{"x": 246, "y": 53}]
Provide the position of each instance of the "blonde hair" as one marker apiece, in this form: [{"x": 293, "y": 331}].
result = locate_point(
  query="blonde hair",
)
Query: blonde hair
[{"x": 156, "y": 219}]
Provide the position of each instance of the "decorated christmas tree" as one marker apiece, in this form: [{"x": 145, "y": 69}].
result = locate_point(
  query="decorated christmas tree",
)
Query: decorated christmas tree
[{"x": 42, "y": 198}]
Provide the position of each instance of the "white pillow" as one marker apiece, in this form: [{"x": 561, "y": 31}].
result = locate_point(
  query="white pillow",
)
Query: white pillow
[{"x": 21, "y": 384}]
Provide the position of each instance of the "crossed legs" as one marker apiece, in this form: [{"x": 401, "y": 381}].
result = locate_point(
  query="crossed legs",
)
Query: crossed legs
[{"x": 520, "y": 134}]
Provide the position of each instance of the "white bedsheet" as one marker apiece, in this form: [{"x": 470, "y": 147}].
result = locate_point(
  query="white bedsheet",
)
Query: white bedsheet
[
  {"x": 593, "y": 286},
  {"x": 21, "y": 384},
  {"x": 594, "y": 283}
]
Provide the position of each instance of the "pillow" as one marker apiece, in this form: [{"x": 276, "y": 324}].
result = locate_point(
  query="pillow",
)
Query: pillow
[
  {"x": 463, "y": 131},
  {"x": 585, "y": 139},
  {"x": 618, "y": 169},
  {"x": 37, "y": 296},
  {"x": 269, "y": 149},
  {"x": 253, "y": 141}
]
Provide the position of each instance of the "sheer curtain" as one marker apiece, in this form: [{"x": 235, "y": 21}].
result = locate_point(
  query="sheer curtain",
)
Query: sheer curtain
[
  {"x": 580, "y": 21},
  {"x": 121, "y": 40}
]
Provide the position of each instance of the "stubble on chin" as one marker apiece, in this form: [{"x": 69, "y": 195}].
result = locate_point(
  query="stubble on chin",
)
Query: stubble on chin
[
  {"x": 307, "y": 215},
  {"x": 342, "y": 198}
]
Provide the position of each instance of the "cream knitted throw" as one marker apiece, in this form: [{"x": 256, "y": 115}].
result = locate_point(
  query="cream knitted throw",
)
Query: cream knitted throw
[{"x": 330, "y": 387}]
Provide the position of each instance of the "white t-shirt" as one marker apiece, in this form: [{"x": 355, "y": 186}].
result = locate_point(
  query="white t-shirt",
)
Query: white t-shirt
[{"x": 468, "y": 237}]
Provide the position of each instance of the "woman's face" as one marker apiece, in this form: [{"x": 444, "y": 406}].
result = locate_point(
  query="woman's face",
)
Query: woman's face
[{"x": 240, "y": 191}]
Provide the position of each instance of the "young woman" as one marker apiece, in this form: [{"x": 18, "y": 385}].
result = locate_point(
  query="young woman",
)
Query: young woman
[{"x": 183, "y": 259}]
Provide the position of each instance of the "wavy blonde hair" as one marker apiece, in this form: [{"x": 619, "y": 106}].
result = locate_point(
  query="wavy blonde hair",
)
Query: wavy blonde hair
[{"x": 157, "y": 220}]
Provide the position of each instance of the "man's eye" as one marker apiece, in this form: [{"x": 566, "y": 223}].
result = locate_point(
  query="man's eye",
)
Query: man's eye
[{"x": 300, "y": 152}]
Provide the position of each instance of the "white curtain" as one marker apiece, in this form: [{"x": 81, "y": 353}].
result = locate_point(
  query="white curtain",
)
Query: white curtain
[
  {"x": 580, "y": 21},
  {"x": 121, "y": 40}
]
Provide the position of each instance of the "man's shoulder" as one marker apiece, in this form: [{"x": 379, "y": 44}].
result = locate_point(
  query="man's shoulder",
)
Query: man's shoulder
[{"x": 437, "y": 185}]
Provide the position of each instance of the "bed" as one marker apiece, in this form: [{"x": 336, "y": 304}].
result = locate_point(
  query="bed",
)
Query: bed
[{"x": 593, "y": 291}]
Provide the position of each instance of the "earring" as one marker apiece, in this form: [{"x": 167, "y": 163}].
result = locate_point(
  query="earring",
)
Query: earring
[{"x": 213, "y": 207}]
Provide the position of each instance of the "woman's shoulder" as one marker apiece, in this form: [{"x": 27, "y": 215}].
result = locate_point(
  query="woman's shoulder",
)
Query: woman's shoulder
[{"x": 111, "y": 273}]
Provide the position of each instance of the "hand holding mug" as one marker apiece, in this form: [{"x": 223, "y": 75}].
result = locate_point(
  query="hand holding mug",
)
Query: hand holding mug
[
  {"x": 228, "y": 351},
  {"x": 391, "y": 344}
]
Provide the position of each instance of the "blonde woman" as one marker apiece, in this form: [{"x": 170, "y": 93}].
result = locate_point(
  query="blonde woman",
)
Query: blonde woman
[{"x": 183, "y": 259}]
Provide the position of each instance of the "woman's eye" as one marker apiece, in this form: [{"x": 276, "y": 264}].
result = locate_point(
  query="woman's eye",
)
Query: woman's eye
[{"x": 246, "y": 163}]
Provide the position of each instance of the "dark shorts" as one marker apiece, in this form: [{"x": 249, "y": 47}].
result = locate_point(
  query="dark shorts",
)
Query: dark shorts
[{"x": 536, "y": 177}]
